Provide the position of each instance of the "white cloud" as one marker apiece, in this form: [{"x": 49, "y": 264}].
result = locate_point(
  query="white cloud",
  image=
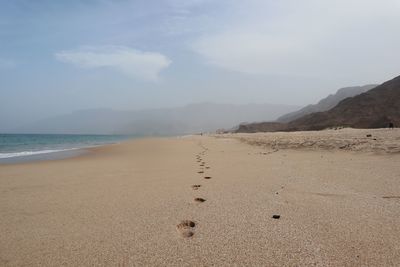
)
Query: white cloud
[
  {"x": 248, "y": 52},
  {"x": 131, "y": 62},
  {"x": 310, "y": 37}
]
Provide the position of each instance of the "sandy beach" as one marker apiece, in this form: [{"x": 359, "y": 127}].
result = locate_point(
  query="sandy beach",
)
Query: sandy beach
[{"x": 132, "y": 204}]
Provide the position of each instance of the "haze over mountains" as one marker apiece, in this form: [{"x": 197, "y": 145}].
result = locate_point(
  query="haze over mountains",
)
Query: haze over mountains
[
  {"x": 375, "y": 108},
  {"x": 327, "y": 103},
  {"x": 194, "y": 118},
  {"x": 368, "y": 106}
]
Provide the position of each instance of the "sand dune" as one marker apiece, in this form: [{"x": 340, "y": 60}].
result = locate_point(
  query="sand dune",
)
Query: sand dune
[{"x": 266, "y": 204}]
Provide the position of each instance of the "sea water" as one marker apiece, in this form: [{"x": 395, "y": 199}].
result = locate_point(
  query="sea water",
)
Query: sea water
[{"x": 25, "y": 145}]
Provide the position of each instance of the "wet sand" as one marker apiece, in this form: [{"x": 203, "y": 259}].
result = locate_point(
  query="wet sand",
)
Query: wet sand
[{"x": 205, "y": 200}]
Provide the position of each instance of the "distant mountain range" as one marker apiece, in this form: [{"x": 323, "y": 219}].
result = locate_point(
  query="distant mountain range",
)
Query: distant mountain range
[
  {"x": 194, "y": 118},
  {"x": 375, "y": 108},
  {"x": 326, "y": 103}
]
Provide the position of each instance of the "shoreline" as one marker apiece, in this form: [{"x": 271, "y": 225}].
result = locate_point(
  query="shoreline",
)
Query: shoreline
[
  {"x": 75, "y": 152},
  {"x": 58, "y": 155}
]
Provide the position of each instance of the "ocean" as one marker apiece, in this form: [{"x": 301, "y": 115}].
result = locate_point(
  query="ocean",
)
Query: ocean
[{"x": 28, "y": 145}]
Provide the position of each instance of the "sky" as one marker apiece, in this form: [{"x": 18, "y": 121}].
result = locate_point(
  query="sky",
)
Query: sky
[{"x": 60, "y": 56}]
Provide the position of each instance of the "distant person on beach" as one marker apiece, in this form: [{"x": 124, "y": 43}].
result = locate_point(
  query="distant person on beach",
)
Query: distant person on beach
[{"x": 390, "y": 125}]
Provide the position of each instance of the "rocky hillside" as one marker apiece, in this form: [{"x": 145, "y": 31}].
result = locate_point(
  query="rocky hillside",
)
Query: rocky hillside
[
  {"x": 326, "y": 103},
  {"x": 375, "y": 108}
]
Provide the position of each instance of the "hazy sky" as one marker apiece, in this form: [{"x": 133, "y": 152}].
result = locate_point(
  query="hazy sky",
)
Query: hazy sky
[{"x": 60, "y": 56}]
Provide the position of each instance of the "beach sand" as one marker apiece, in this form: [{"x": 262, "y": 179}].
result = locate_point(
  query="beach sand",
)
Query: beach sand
[{"x": 133, "y": 204}]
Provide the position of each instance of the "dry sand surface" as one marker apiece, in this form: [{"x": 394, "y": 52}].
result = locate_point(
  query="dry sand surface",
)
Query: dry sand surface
[
  {"x": 135, "y": 203},
  {"x": 366, "y": 140}
]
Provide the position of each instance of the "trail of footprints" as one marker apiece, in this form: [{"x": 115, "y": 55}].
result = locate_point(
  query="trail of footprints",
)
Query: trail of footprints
[{"x": 186, "y": 227}]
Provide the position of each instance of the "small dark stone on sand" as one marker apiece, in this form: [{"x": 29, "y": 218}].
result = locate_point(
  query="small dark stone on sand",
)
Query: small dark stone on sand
[
  {"x": 369, "y": 135},
  {"x": 276, "y": 216}
]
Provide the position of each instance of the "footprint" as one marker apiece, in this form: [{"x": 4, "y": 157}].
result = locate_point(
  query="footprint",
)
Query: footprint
[
  {"x": 207, "y": 167},
  {"x": 199, "y": 199},
  {"x": 207, "y": 177},
  {"x": 185, "y": 228},
  {"x": 196, "y": 186},
  {"x": 200, "y": 172}
]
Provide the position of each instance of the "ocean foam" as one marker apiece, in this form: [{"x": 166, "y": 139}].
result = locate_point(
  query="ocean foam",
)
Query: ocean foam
[{"x": 31, "y": 153}]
